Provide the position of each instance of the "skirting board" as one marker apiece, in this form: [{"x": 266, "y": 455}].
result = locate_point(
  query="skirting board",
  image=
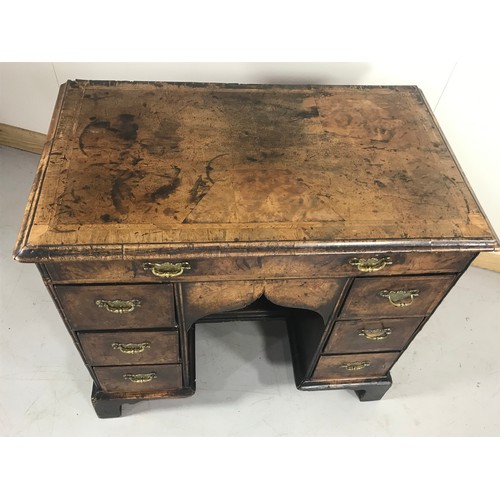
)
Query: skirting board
[
  {"x": 20, "y": 138},
  {"x": 488, "y": 260},
  {"x": 27, "y": 140}
]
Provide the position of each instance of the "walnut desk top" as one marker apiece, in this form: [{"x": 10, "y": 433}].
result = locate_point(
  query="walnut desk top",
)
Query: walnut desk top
[{"x": 242, "y": 192}]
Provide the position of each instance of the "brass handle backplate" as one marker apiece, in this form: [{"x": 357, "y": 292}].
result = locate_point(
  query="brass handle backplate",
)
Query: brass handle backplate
[
  {"x": 375, "y": 334},
  {"x": 131, "y": 348},
  {"x": 167, "y": 269},
  {"x": 356, "y": 365},
  {"x": 140, "y": 378},
  {"x": 118, "y": 306},
  {"x": 400, "y": 298},
  {"x": 370, "y": 265}
]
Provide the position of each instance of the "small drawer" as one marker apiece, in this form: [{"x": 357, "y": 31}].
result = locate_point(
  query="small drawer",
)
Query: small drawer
[
  {"x": 130, "y": 348},
  {"x": 400, "y": 296},
  {"x": 251, "y": 267},
  {"x": 348, "y": 367},
  {"x": 371, "y": 335},
  {"x": 117, "y": 307},
  {"x": 140, "y": 378}
]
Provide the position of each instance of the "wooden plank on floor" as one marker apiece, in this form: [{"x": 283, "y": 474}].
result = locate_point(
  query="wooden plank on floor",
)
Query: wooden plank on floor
[
  {"x": 20, "y": 138},
  {"x": 488, "y": 260}
]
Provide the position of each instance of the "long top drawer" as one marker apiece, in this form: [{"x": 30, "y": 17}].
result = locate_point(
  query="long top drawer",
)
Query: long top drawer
[{"x": 300, "y": 266}]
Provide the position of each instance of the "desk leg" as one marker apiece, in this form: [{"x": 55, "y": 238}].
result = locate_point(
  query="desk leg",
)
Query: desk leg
[
  {"x": 106, "y": 407},
  {"x": 109, "y": 407},
  {"x": 370, "y": 390},
  {"x": 375, "y": 390}
]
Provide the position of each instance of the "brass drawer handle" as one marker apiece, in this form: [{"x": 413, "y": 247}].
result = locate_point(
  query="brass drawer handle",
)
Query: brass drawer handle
[
  {"x": 131, "y": 348},
  {"x": 400, "y": 298},
  {"x": 370, "y": 265},
  {"x": 375, "y": 334},
  {"x": 118, "y": 306},
  {"x": 140, "y": 378},
  {"x": 167, "y": 269},
  {"x": 356, "y": 365}
]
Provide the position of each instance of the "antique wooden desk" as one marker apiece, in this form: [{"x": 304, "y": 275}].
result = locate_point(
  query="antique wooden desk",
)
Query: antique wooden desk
[{"x": 159, "y": 205}]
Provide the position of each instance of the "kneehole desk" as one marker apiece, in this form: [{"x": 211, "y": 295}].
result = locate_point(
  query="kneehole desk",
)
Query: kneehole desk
[{"x": 160, "y": 205}]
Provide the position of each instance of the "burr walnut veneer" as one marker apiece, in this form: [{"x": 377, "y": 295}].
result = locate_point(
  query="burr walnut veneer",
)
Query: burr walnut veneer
[{"x": 159, "y": 205}]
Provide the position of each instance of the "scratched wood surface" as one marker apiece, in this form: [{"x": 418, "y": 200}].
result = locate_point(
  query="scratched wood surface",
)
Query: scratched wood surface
[{"x": 133, "y": 164}]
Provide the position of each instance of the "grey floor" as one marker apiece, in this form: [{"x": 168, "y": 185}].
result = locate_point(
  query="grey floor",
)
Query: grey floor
[{"x": 447, "y": 383}]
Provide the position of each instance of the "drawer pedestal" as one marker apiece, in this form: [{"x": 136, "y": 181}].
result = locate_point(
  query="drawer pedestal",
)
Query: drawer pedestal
[{"x": 345, "y": 332}]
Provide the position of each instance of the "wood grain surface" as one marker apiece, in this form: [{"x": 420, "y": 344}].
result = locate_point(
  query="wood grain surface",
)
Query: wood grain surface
[
  {"x": 21, "y": 138},
  {"x": 117, "y": 378},
  {"x": 271, "y": 266},
  {"x": 117, "y": 348},
  {"x": 154, "y": 306},
  {"x": 132, "y": 165},
  {"x": 333, "y": 368},
  {"x": 348, "y": 337},
  {"x": 366, "y": 301},
  {"x": 204, "y": 298}
]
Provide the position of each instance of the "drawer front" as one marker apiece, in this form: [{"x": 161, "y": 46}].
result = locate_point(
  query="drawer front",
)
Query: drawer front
[
  {"x": 300, "y": 266},
  {"x": 338, "y": 368},
  {"x": 117, "y": 307},
  {"x": 400, "y": 296},
  {"x": 129, "y": 348},
  {"x": 139, "y": 379},
  {"x": 371, "y": 335}
]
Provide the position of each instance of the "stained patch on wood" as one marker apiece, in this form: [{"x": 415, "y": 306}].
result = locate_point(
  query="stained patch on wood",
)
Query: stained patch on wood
[
  {"x": 107, "y": 218},
  {"x": 94, "y": 134},
  {"x": 166, "y": 138},
  {"x": 310, "y": 113},
  {"x": 126, "y": 128},
  {"x": 166, "y": 190},
  {"x": 263, "y": 124},
  {"x": 199, "y": 190},
  {"x": 120, "y": 192}
]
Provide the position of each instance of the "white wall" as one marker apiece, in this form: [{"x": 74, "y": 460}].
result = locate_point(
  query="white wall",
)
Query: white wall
[
  {"x": 462, "y": 96},
  {"x": 469, "y": 114},
  {"x": 28, "y": 90}
]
